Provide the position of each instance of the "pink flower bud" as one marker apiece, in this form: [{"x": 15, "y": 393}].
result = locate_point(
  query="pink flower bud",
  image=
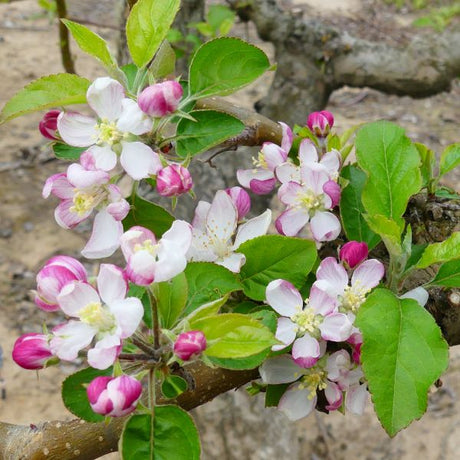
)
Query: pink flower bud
[
  {"x": 353, "y": 253},
  {"x": 189, "y": 344},
  {"x": 31, "y": 351},
  {"x": 48, "y": 125},
  {"x": 332, "y": 189},
  {"x": 174, "y": 180},
  {"x": 160, "y": 99},
  {"x": 240, "y": 199},
  {"x": 57, "y": 273},
  {"x": 114, "y": 396},
  {"x": 320, "y": 123}
]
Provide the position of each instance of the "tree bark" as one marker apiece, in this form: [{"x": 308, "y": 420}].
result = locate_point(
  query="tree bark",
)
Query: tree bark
[{"x": 315, "y": 59}]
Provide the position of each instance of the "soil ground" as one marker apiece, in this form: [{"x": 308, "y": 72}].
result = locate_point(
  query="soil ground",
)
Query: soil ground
[{"x": 29, "y": 235}]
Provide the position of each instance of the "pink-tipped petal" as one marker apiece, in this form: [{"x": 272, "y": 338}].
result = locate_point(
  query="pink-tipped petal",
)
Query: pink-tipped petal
[
  {"x": 100, "y": 157},
  {"x": 291, "y": 221},
  {"x": 321, "y": 301},
  {"x": 325, "y": 226},
  {"x": 76, "y": 129},
  {"x": 283, "y": 297},
  {"x": 139, "y": 160},
  {"x": 105, "y": 352},
  {"x": 333, "y": 190},
  {"x": 104, "y": 96},
  {"x": 132, "y": 119},
  {"x": 286, "y": 141},
  {"x": 111, "y": 283},
  {"x": 59, "y": 186},
  {"x": 336, "y": 327},
  {"x": 80, "y": 177},
  {"x": 368, "y": 274},
  {"x": 330, "y": 270},
  {"x": 307, "y": 152},
  {"x": 306, "y": 351},
  {"x": 334, "y": 396}
]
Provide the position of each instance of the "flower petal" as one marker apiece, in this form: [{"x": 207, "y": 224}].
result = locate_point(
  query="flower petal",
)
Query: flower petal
[
  {"x": 283, "y": 297},
  {"x": 128, "y": 313},
  {"x": 76, "y": 129},
  {"x": 75, "y": 296},
  {"x": 368, "y": 274},
  {"x": 133, "y": 119},
  {"x": 419, "y": 294},
  {"x": 286, "y": 141},
  {"x": 280, "y": 369},
  {"x": 80, "y": 177},
  {"x": 325, "y": 226},
  {"x": 104, "y": 96},
  {"x": 306, "y": 351},
  {"x": 285, "y": 333},
  {"x": 139, "y": 160},
  {"x": 336, "y": 327},
  {"x": 295, "y": 403},
  {"x": 356, "y": 399},
  {"x": 111, "y": 283},
  {"x": 102, "y": 157},
  {"x": 252, "y": 228},
  {"x": 232, "y": 262},
  {"x": 321, "y": 301},
  {"x": 222, "y": 218},
  {"x": 291, "y": 221},
  {"x": 331, "y": 271},
  {"x": 307, "y": 152},
  {"x": 105, "y": 352},
  {"x": 70, "y": 338},
  {"x": 59, "y": 186}
]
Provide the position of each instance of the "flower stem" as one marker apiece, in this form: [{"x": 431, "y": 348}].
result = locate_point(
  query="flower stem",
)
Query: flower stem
[{"x": 152, "y": 400}]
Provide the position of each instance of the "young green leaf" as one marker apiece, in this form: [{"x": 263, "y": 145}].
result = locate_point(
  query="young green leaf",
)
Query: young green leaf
[
  {"x": 207, "y": 282},
  {"x": 389, "y": 232},
  {"x": 171, "y": 299},
  {"x": 173, "y": 386},
  {"x": 74, "y": 393},
  {"x": 450, "y": 159},
  {"x": 67, "y": 152},
  {"x": 352, "y": 209},
  {"x": 403, "y": 354},
  {"x": 392, "y": 164},
  {"x": 288, "y": 258},
  {"x": 448, "y": 275},
  {"x": 428, "y": 159},
  {"x": 231, "y": 335},
  {"x": 210, "y": 129},
  {"x": 45, "y": 93},
  {"x": 148, "y": 215},
  {"x": 173, "y": 432},
  {"x": 240, "y": 364},
  {"x": 221, "y": 66},
  {"x": 147, "y": 26},
  {"x": 91, "y": 43},
  {"x": 164, "y": 62},
  {"x": 441, "y": 252}
]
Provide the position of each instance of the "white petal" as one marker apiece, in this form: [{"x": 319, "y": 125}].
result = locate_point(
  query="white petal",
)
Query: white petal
[
  {"x": 80, "y": 177},
  {"x": 287, "y": 172},
  {"x": 419, "y": 294},
  {"x": 331, "y": 161},
  {"x": 331, "y": 271},
  {"x": 104, "y": 354},
  {"x": 128, "y": 313},
  {"x": 307, "y": 152},
  {"x": 280, "y": 369},
  {"x": 70, "y": 338},
  {"x": 368, "y": 274},
  {"x": 336, "y": 327},
  {"x": 201, "y": 214},
  {"x": 314, "y": 176},
  {"x": 295, "y": 403},
  {"x": 180, "y": 234},
  {"x": 287, "y": 138},
  {"x": 111, "y": 283},
  {"x": 171, "y": 261},
  {"x": 75, "y": 296},
  {"x": 133, "y": 119},
  {"x": 105, "y": 238},
  {"x": 283, "y": 297},
  {"x": 289, "y": 193},
  {"x": 222, "y": 218},
  {"x": 232, "y": 262},
  {"x": 306, "y": 347},
  {"x": 325, "y": 226},
  {"x": 252, "y": 228},
  {"x": 356, "y": 399},
  {"x": 104, "y": 97},
  {"x": 104, "y": 157},
  {"x": 285, "y": 333},
  {"x": 139, "y": 160},
  {"x": 76, "y": 129},
  {"x": 321, "y": 301},
  {"x": 291, "y": 221}
]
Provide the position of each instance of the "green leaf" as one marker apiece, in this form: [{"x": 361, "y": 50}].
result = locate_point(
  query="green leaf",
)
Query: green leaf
[
  {"x": 352, "y": 209},
  {"x": 388, "y": 230},
  {"x": 90, "y": 43},
  {"x": 67, "y": 152},
  {"x": 173, "y": 386},
  {"x": 450, "y": 159},
  {"x": 221, "y": 66},
  {"x": 148, "y": 215},
  {"x": 428, "y": 159},
  {"x": 142, "y": 294},
  {"x": 174, "y": 433},
  {"x": 207, "y": 282},
  {"x": 441, "y": 252},
  {"x": 45, "y": 93},
  {"x": 392, "y": 164},
  {"x": 130, "y": 71},
  {"x": 274, "y": 393},
  {"x": 448, "y": 275},
  {"x": 171, "y": 299},
  {"x": 147, "y": 26},
  {"x": 231, "y": 335},
  {"x": 220, "y": 17},
  {"x": 287, "y": 258},
  {"x": 74, "y": 393},
  {"x": 210, "y": 129},
  {"x": 208, "y": 309},
  {"x": 403, "y": 354},
  {"x": 164, "y": 62},
  {"x": 415, "y": 254},
  {"x": 446, "y": 192},
  {"x": 240, "y": 364}
]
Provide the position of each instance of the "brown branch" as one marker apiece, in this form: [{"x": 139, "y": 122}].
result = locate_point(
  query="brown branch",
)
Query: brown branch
[{"x": 66, "y": 55}]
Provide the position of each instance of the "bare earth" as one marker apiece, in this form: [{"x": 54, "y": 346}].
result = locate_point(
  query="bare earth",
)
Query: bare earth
[{"x": 29, "y": 235}]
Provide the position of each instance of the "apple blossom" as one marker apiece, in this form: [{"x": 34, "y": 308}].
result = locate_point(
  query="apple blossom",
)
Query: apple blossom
[
  {"x": 31, "y": 351},
  {"x": 160, "y": 99},
  {"x": 213, "y": 228},
  {"x": 320, "y": 123},
  {"x": 115, "y": 131},
  {"x": 261, "y": 179},
  {"x": 55, "y": 274},
  {"x": 104, "y": 314},
  {"x": 48, "y": 125},
  {"x": 174, "y": 180},
  {"x": 189, "y": 344},
  {"x": 241, "y": 200},
  {"x": 114, "y": 396},
  {"x": 307, "y": 326},
  {"x": 353, "y": 253},
  {"x": 151, "y": 261}
]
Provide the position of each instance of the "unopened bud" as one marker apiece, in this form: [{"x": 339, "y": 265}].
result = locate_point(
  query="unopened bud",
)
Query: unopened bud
[
  {"x": 240, "y": 199},
  {"x": 320, "y": 123},
  {"x": 174, "y": 180},
  {"x": 48, "y": 125},
  {"x": 114, "y": 396},
  {"x": 160, "y": 99},
  {"x": 332, "y": 189},
  {"x": 353, "y": 253},
  {"x": 31, "y": 351},
  {"x": 189, "y": 344}
]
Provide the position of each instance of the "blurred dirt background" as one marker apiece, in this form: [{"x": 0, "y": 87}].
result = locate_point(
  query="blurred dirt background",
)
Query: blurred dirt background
[{"x": 29, "y": 234}]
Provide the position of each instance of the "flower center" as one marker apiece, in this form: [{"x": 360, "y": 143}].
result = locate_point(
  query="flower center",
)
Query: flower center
[
  {"x": 260, "y": 161},
  {"x": 86, "y": 200},
  {"x": 149, "y": 246},
  {"x": 108, "y": 133},
  {"x": 309, "y": 200},
  {"x": 306, "y": 321},
  {"x": 94, "y": 314},
  {"x": 353, "y": 297},
  {"x": 313, "y": 381}
]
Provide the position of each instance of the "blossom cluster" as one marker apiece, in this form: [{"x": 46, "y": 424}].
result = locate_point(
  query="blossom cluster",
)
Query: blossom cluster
[{"x": 306, "y": 328}]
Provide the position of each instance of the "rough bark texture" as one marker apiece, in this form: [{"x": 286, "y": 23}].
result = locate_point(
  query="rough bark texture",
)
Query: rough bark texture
[{"x": 315, "y": 59}]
